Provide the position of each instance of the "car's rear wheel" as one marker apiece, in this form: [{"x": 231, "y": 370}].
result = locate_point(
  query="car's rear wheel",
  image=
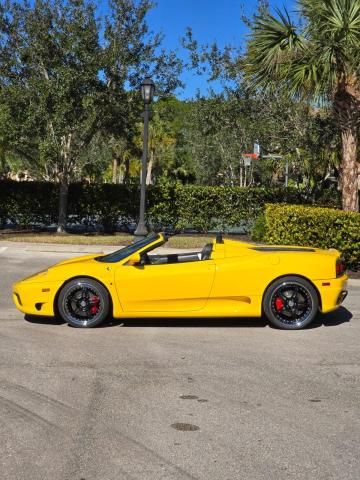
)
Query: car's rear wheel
[
  {"x": 83, "y": 303},
  {"x": 291, "y": 303}
]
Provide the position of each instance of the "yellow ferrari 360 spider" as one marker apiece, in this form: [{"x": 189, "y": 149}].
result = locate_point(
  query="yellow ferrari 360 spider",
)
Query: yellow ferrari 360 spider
[{"x": 226, "y": 279}]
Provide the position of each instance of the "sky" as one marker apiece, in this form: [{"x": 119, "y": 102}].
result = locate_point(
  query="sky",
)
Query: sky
[{"x": 210, "y": 20}]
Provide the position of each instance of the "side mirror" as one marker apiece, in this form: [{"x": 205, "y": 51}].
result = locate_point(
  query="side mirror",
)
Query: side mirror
[{"x": 134, "y": 259}]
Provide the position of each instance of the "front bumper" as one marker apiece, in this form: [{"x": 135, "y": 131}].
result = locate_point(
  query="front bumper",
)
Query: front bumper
[
  {"x": 35, "y": 298},
  {"x": 332, "y": 292}
]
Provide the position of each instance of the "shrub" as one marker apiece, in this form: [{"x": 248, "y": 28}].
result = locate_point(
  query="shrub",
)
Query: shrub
[
  {"x": 28, "y": 202},
  {"x": 315, "y": 226},
  {"x": 205, "y": 208},
  {"x": 105, "y": 204},
  {"x": 258, "y": 231}
]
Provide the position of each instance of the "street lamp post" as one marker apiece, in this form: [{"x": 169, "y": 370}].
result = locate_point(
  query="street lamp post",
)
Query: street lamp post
[{"x": 147, "y": 92}]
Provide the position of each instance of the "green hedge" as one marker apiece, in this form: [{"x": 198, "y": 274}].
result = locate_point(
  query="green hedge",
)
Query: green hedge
[
  {"x": 177, "y": 206},
  {"x": 28, "y": 203},
  {"x": 314, "y": 226},
  {"x": 205, "y": 208}
]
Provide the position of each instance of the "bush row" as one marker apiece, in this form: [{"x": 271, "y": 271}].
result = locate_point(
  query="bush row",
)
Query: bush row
[
  {"x": 205, "y": 208},
  {"x": 175, "y": 206},
  {"x": 314, "y": 226},
  {"x": 29, "y": 203}
]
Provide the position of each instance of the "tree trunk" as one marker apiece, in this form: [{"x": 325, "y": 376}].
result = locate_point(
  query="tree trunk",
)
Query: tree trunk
[
  {"x": 347, "y": 109},
  {"x": 121, "y": 175},
  {"x": 63, "y": 202},
  {"x": 127, "y": 171},
  {"x": 114, "y": 170},
  {"x": 349, "y": 171},
  {"x": 149, "y": 168},
  {"x": 64, "y": 181}
]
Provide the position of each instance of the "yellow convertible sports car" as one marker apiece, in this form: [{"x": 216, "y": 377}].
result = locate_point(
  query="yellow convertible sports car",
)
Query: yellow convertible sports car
[{"x": 226, "y": 279}]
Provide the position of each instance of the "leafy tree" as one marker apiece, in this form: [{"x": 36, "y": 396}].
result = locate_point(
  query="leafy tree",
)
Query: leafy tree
[
  {"x": 50, "y": 87},
  {"x": 303, "y": 135},
  {"x": 132, "y": 52},
  {"x": 168, "y": 156},
  {"x": 316, "y": 60},
  {"x": 70, "y": 103},
  {"x": 221, "y": 127},
  {"x": 167, "y": 160},
  {"x": 217, "y": 138}
]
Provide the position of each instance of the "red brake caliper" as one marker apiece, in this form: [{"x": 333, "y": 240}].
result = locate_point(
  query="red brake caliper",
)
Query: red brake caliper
[
  {"x": 94, "y": 302},
  {"x": 279, "y": 304}
]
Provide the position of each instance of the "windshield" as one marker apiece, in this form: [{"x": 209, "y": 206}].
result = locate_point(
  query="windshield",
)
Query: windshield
[{"x": 129, "y": 250}]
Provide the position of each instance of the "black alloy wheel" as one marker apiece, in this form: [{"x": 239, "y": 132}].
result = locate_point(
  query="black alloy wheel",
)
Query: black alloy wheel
[
  {"x": 291, "y": 303},
  {"x": 83, "y": 303}
]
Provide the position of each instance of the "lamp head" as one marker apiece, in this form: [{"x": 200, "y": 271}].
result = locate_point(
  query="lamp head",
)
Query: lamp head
[{"x": 147, "y": 90}]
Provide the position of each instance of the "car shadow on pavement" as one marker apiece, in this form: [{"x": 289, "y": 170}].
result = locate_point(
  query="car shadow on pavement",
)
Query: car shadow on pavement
[
  {"x": 333, "y": 319},
  {"x": 44, "y": 320},
  {"x": 235, "y": 322}
]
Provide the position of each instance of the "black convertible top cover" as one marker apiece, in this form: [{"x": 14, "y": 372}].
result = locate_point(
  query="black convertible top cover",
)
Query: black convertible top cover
[{"x": 284, "y": 249}]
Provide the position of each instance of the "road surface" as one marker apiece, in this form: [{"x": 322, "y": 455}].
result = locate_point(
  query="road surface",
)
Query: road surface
[{"x": 176, "y": 399}]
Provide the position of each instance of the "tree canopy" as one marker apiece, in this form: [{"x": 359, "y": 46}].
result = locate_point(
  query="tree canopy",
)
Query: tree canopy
[
  {"x": 317, "y": 60},
  {"x": 70, "y": 106},
  {"x": 60, "y": 86}
]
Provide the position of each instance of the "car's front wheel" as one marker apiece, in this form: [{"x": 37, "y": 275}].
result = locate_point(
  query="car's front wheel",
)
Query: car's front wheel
[
  {"x": 291, "y": 303},
  {"x": 83, "y": 303}
]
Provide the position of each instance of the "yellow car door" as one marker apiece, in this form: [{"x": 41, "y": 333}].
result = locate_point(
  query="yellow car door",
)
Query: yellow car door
[{"x": 176, "y": 287}]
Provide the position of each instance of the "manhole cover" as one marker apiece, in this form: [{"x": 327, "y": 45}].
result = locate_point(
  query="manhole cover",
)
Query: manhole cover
[
  {"x": 189, "y": 397},
  {"x": 185, "y": 427}
]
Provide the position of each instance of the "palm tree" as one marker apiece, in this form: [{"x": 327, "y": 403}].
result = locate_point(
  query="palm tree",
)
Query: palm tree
[{"x": 318, "y": 59}]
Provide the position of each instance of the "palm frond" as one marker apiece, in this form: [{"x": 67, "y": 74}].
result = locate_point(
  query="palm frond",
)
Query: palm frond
[
  {"x": 274, "y": 46},
  {"x": 310, "y": 61}
]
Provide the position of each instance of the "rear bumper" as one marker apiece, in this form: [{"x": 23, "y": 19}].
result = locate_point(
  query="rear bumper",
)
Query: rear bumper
[{"x": 332, "y": 292}]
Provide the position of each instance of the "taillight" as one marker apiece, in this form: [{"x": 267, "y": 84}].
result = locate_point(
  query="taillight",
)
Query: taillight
[{"x": 340, "y": 267}]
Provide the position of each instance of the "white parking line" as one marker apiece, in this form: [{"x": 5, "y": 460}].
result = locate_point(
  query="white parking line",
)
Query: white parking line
[{"x": 2, "y": 249}]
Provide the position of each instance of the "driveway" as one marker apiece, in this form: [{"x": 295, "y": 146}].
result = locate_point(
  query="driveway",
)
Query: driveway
[{"x": 176, "y": 399}]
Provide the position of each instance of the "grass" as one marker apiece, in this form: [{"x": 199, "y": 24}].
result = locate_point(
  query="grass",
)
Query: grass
[{"x": 178, "y": 241}]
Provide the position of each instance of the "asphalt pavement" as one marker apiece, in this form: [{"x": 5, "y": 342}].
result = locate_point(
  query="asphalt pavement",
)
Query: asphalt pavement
[{"x": 223, "y": 399}]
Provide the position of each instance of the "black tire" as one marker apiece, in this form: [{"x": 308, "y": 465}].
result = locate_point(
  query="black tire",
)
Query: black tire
[
  {"x": 83, "y": 303},
  {"x": 291, "y": 303}
]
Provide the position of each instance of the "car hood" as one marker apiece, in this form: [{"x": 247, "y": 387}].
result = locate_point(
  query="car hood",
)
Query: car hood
[
  {"x": 53, "y": 270},
  {"x": 82, "y": 259}
]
